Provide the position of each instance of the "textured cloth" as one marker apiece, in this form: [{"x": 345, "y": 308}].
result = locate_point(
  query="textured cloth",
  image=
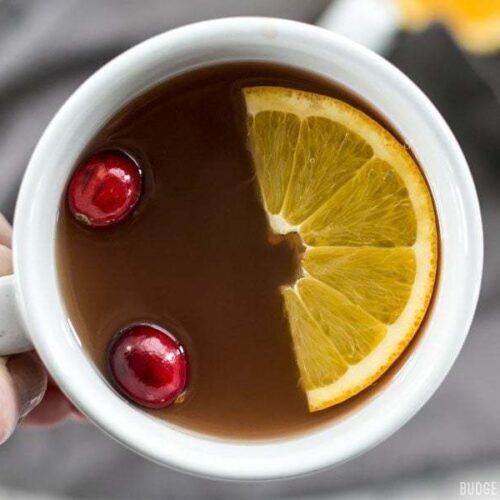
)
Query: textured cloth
[{"x": 48, "y": 47}]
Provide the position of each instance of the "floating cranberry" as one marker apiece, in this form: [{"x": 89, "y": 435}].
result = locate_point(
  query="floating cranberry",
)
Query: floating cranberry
[
  {"x": 148, "y": 365},
  {"x": 105, "y": 189}
]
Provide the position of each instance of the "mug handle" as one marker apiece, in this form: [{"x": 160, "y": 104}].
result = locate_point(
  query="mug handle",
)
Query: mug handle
[
  {"x": 372, "y": 23},
  {"x": 13, "y": 337}
]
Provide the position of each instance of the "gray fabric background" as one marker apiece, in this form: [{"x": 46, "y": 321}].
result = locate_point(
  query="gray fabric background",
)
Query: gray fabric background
[{"x": 48, "y": 47}]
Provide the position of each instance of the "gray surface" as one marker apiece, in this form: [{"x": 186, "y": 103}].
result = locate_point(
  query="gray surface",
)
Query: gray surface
[{"x": 48, "y": 47}]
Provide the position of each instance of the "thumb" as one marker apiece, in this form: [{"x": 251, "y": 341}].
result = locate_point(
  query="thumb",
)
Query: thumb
[
  {"x": 5, "y": 232},
  {"x": 23, "y": 382}
]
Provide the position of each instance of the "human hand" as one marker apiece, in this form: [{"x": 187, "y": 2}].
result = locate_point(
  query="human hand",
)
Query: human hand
[{"x": 26, "y": 392}]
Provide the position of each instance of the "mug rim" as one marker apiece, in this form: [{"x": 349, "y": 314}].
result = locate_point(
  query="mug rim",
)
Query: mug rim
[{"x": 53, "y": 337}]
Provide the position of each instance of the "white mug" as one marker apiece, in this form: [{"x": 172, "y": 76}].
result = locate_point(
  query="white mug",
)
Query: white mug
[{"x": 32, "y": 308}]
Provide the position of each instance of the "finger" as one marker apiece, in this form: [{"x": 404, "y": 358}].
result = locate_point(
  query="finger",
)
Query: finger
[
  {"x": 53, "y": 409},
  {"x": 5, "y": 232},
  {"x": 5, "y": 260},
  {"x": 8, "y": 404},
  {"x": 22, "y": 385},
  {"x": 78, "y": 416},
  {"x": 30, "y": 380}
]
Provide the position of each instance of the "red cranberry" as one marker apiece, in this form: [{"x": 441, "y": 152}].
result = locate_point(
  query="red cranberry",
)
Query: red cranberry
[
  {"x": 148, "y": 365},
  {"x": 105, "y": 189}
]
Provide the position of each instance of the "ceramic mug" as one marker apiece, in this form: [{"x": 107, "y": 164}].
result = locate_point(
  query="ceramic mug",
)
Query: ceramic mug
[{"x": 32, "y": 311}]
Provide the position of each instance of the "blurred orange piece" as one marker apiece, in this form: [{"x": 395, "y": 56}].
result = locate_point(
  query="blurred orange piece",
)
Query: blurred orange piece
[{"x": 474, "y": 23}]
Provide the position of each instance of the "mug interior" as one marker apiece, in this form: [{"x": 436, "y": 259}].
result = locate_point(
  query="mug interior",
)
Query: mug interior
[{"x": 286, "y": 43}]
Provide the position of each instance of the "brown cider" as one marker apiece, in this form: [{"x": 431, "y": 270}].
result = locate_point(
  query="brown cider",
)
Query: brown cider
[{"x": 197, "y": 257}]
